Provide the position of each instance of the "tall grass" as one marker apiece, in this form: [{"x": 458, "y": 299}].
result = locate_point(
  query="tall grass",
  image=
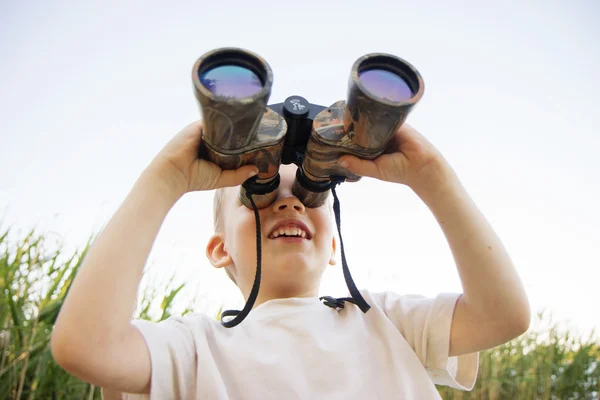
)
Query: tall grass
[
  {"x": 35, "y": 280},
  {"x": 548, "y": 364}
]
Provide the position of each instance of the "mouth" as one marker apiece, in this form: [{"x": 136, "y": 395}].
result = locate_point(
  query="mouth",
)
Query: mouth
[{"x": 290, "y": 230}]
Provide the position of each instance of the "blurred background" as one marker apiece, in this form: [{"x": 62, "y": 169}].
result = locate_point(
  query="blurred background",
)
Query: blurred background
[{"x": 91, "y": 91}]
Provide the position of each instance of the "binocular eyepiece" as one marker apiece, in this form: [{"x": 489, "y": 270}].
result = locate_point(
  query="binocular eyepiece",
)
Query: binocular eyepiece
[{"x": 232, "y": 87}]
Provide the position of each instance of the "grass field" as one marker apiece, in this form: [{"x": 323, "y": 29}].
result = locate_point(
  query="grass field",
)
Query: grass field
[{"x": 549, "y": 364}]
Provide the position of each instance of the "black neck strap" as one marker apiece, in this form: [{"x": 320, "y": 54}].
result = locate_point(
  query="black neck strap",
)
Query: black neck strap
[
  {"x": 329, "y": 301},
  {"x": 240, "y": 315},
  {"x": 358, "y": 299}
]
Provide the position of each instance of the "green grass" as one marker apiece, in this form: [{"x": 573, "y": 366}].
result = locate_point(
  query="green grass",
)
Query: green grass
[
  {"x": 537, "y": 365},
  {"x": 35, "y": 280}
]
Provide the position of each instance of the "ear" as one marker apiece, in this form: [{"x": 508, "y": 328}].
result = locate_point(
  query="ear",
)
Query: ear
[
  {"x": 332, "y": 260},
  {"x": 216, "y": 252}
]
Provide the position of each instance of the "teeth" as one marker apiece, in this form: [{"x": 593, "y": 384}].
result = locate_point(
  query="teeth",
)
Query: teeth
[{"x": 288, "y": 231}]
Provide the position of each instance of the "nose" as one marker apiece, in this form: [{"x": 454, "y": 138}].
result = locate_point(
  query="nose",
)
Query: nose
[{"x": 287, "y": 203}]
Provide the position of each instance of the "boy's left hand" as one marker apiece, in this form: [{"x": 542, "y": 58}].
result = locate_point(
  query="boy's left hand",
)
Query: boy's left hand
[{"x": 410, "y": 159}]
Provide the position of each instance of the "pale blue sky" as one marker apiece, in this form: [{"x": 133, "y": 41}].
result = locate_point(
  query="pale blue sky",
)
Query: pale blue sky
[{"x": 91, "y": 91}]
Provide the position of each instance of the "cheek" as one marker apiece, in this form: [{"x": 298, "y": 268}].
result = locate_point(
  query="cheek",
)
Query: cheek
[
  {"x": 324, "y": 223},
  {"x": 242, "y": 232}
]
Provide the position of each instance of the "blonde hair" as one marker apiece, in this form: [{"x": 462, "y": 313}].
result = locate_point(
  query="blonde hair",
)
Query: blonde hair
[{"x": 217, "y": 206}]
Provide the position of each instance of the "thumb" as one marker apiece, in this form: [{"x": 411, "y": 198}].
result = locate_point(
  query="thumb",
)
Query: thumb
[
  {"x": 236, "y": 177},
  {"x": 360, "y": 167}
]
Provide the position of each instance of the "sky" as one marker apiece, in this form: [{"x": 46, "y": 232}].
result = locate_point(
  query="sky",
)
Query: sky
[{"x": 91, "y": 91}]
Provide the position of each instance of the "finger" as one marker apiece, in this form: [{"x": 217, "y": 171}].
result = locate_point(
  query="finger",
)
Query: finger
[
  {"x": 407, "y": 133},
  {"x": 192, "y": 131},
  {"x": 193, "y": 128},
  {"x": 188, "y": 138},
  {"x": 192, "y": 134},
  {"x": 360, "y": 167},
  {"x": 236, "y": 177}
]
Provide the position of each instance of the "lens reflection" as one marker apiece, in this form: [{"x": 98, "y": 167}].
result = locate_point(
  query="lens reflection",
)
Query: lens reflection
[
  {"x": 231, "y": 81},
  {"x": 385, "y": 84}
]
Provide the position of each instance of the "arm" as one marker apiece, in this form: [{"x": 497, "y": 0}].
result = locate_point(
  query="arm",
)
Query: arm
[
  {"x": 94, "y": 323},
  {"x": 93, "y": 338},
  {"x": 493, "y": 307}
]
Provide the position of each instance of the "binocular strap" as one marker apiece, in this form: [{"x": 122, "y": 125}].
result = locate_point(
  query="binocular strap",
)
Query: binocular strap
[{"x": 329, "y": 301}]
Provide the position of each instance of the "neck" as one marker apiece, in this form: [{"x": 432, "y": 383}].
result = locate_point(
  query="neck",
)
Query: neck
[{"x": 266, "y": 295}]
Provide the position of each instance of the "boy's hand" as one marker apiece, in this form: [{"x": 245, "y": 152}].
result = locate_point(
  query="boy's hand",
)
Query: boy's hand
[
  {"x": 410, "y": 159},
  {"x": 179, "y": 166}
]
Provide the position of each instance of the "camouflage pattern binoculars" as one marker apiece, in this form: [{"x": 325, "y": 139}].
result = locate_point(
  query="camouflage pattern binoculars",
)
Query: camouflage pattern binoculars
[{"x": 232, "y": 87}]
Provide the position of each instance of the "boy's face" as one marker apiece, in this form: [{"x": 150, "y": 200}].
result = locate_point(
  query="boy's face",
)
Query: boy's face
[{"x": 291, "y": 266}]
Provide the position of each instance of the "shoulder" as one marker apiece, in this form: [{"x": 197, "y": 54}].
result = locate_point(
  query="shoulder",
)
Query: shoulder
[
  {"x": 178, "y": 331},
  {"x": 173, "y": 345},
  {"x": 389, "y": 298},
  {"x": 405, "y": 309},
  {"x": 190, "y": 320}
]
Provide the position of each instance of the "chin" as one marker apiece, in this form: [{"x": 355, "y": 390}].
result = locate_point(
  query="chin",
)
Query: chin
[
  {"x": 299, "y": 260},
  {"x": 294, "y": 262}
]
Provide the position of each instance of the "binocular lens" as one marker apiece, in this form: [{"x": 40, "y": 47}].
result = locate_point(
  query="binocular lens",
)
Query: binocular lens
[
  {"x": 231, "y": 81},
  {"x": 385, "y": 84}
]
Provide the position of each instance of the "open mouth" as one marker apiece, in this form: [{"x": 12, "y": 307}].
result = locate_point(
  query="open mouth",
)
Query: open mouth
[{"x": 290, "y": 230}]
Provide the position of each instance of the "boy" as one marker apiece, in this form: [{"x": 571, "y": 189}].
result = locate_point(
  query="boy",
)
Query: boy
[{"x": 290, "y": 346}]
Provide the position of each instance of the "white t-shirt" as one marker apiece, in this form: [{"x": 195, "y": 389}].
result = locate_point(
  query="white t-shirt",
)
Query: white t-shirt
[{"x": 298, "y": 348}]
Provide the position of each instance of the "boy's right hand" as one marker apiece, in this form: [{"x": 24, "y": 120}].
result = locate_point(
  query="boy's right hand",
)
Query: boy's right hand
[{"x": 179, "y": 166}]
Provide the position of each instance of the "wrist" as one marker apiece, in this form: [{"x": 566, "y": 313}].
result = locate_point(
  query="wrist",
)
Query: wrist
[
  {"x": 435, "y": 181},
  {"x": 446, "y": 200},
  {"x": 162, "y": 183}
]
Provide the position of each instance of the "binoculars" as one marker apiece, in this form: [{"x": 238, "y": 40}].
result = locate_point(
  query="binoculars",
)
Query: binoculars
[{"x": 232, "y": 87}]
